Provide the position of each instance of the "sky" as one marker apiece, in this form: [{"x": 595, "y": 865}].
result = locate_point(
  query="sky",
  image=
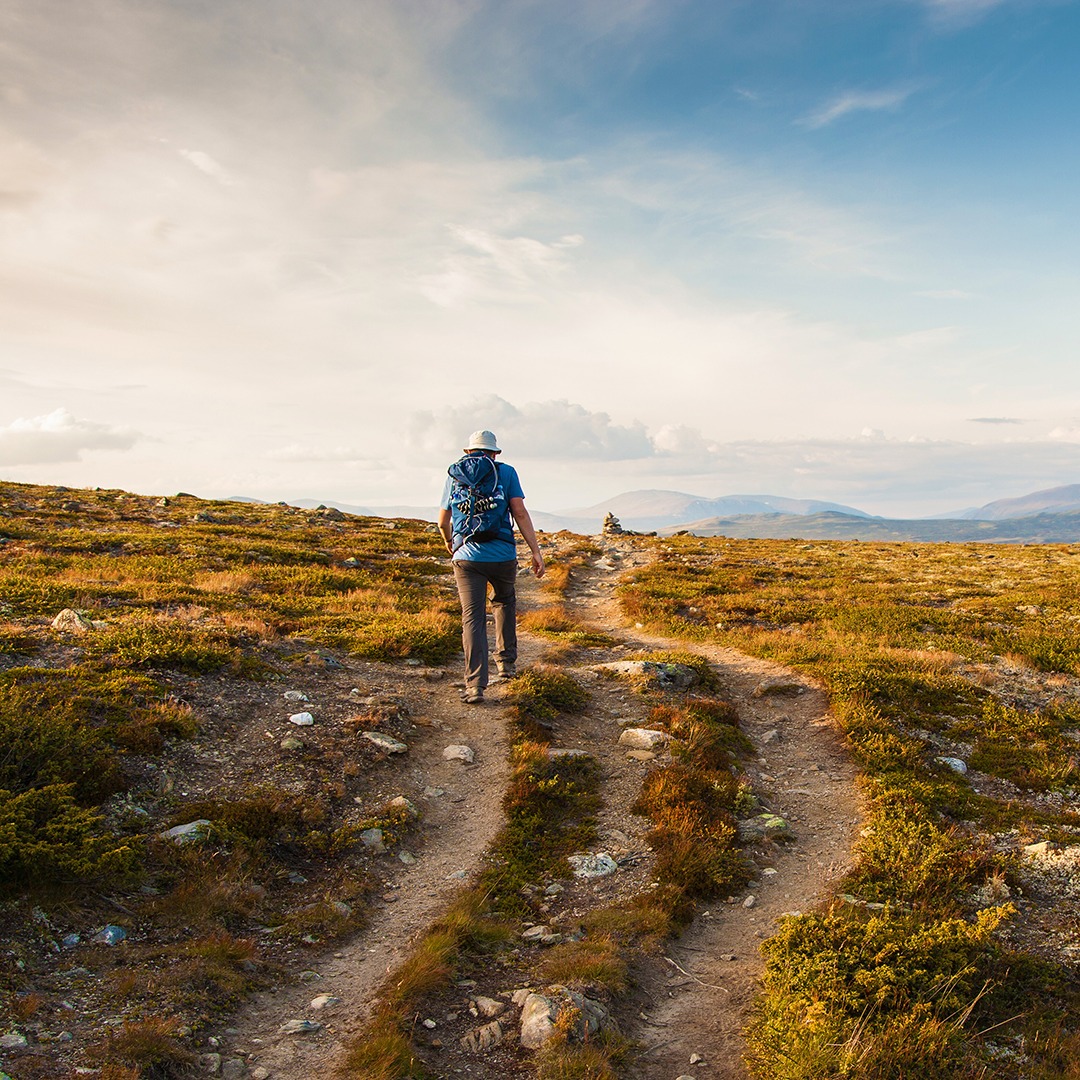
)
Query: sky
[{"x": 812, "y": 248}]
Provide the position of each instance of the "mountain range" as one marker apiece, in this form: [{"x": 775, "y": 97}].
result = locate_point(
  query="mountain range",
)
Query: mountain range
[{"x": 1048, "y": 516}]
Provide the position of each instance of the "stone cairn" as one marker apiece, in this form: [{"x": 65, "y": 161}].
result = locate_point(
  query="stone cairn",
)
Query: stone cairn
[{"x": 611, "y": 526}]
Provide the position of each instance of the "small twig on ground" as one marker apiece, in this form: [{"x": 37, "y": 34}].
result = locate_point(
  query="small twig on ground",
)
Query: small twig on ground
[{"x": 690, "y": 975}]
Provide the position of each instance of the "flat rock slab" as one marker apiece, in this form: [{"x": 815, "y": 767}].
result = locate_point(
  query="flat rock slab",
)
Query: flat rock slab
[
  {"x": 386, "y": 742},
  {"x": 459, "y": 753}
]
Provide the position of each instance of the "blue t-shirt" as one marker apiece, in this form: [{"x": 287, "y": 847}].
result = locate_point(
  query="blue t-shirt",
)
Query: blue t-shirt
[{"x": 490, "y": 550}]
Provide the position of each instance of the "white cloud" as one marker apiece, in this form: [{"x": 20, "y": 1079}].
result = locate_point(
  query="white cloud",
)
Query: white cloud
[
  {"x": 857, "y": 101},
  {"x": 488, "y": 267},
  {"x": 541, "y": 429},
  {"x": 58, "y": 437}
]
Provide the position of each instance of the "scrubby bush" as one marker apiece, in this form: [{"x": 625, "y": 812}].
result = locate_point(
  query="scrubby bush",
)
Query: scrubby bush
[{"x": 47, "y": 838}]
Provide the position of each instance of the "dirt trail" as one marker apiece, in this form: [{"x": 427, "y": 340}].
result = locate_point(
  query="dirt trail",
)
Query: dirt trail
[
  {"x": 695, "y": 1000},
  {"x": 692, "y": 1001},
  {"x": 461, "y": 814}
]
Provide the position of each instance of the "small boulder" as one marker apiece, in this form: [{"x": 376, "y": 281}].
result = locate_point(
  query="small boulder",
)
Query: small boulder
[
  {"x": 302, "y": 719},
  {"x": 190, "y": 833},
  {"x": 399, "y": 802},
  {"x": 592, "y": 866},
  {"x": 541, "y": 1012},
  {"x": 483, "y": 1038},
  {"x": 71, "y": 622},
  {"x": 324, "y": 1001},
  {"x": 373, "y": 840},
  {"x": 643, "y": 738},
  {"x": 662, "y": 675},
  {"x": 764, "y": 826},
  {"x": 956, "y": 764}
]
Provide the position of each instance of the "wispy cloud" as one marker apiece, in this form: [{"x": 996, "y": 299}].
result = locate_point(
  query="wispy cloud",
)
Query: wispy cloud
[
  {"x": 851, "y": 101},
  {"x": 996, "y": 420},
  {"x": 206, "y": 164},
  {"x": 960, "y": 12},
  {"x": 58, "y": 437}
]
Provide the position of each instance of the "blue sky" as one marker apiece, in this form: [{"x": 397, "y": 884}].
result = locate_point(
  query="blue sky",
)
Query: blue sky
[{"x": 816, "y": 248}]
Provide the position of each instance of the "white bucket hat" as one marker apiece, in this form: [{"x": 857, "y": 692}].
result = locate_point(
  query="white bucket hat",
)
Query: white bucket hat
[{"x": 483, "y": 440}]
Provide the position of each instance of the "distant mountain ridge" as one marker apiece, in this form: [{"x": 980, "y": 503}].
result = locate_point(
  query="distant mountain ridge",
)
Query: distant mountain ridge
[
  {"x": 1048, "y": 516},
  {"x": 652, "y": 509},
  {"x": 1056, "y": 500},
  {"x": 1035, "y": 529}
]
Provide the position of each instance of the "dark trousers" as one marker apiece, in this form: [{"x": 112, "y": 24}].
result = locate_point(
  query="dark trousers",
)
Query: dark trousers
[{"x": 472, "y": 580}]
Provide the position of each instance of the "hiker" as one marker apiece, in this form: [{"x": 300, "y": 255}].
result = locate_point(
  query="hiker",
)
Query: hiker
[{"x": 479, "y": 499}]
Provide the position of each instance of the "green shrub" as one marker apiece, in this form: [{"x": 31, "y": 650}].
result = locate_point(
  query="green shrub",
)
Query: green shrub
[
  {"x": 43, "y": 742},
  {"x": 46, "y": 838},
  {"x": 543, "y": 693},
  {"x": 148, "y": 643}
]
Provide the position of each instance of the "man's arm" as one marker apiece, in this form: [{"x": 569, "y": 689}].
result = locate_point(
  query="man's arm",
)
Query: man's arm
[
  {"x": 445, "y": 527},
  {"x": 525, "y": 527}
]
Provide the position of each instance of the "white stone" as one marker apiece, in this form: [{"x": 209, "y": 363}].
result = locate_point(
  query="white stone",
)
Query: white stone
[
  {"x": 386, "y": 742},
  {"x": 72, "y": 622},
  {"x": 12, "y": 1040},
  {"x": 302, "y": 719},
  {"x": 489, "y": 1007},
  {"x": 959, "y": 767},
  {"x": 643, "y": 738},
  {"x": 593, "y": 866},
  {"x": 459, "y": 753},
  {"x": 295, "y": 695},
  {"x": 186, "y": 834},
  {"x": 325, "y": 1001}
]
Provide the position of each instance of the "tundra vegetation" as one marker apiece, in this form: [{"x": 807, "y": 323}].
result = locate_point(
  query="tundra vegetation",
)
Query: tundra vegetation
[
  {"x": 173, "y": 595},
  {"x": 932, "y": 960}
]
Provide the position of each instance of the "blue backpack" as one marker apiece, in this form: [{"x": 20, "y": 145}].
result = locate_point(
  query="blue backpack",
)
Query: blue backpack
[{"x": 479, "y": 507}]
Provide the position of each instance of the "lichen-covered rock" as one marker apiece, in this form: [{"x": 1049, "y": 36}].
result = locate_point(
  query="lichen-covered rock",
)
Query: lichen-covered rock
[
  {"x": 71, "y": 622},
  {"x": 763, "y": 826},
  {"x": 541, "y": 1012},
  {"x": 664, "y": 676},
  {"x": 592, "y": 866},
  {"x": 190, "y": 833}
]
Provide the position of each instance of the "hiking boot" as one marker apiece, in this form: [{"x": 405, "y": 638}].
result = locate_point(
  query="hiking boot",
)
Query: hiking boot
[
  {"x": 474, "y": 696},
  {"x": 507, "y": 671}
]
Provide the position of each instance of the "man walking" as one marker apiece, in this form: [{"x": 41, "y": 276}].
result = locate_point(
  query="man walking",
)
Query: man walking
[{"x": 479, "y": 500}]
